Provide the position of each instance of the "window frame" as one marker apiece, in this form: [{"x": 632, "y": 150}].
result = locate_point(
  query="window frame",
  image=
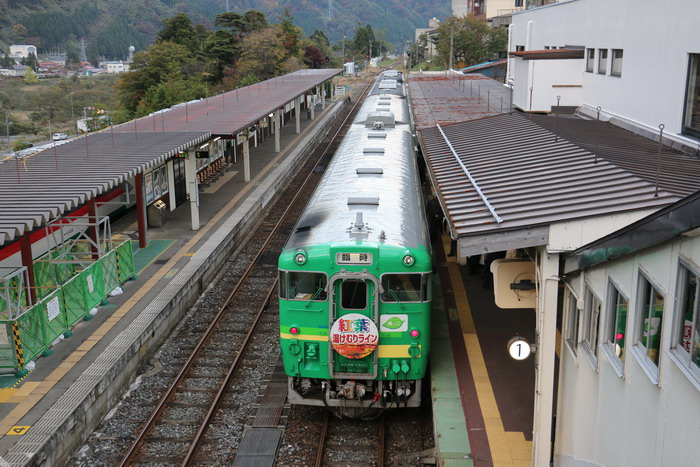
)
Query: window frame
[
  {"x": 683, "y": 357},
  {"x": 590, "y": 324},
  {"x": 573, "y": 322},
  {"x": 603, "y": 60},
  {"x": 590, "y": 60},
  {"x": 614, "y": 60},
  {"x": 690, "y": 102},
  {"x": 640, "y": 351},
  {"x": 279, "y": 286},
  {"x": 610, "y": 324},
  {"x": 425, "y": 287}
]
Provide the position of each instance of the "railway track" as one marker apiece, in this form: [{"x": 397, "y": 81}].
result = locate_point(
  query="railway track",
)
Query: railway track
[
  {"x": 351, "y": 442},
  {"x": 189, "y": 421}
]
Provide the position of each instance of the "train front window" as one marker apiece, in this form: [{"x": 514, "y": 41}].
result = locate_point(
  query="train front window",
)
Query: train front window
[
  {"x": 404, "y": 288},
  {"x": 353, "y": 295},
  {"x": 296, "y": 285}
]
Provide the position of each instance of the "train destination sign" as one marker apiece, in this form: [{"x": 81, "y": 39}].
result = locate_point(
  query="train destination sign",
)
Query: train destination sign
[
  {"x": 353, "y": 258},
  {"x": 354, "y": 336}
]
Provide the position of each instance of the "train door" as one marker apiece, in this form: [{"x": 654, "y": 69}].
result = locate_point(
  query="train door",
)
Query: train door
[{"x": 354, "y": 334}]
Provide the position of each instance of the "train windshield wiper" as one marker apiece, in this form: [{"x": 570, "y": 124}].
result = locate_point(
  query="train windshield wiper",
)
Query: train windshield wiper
[
  {"x": 314, "y": 296},
  {"x": 396, "y": 297}
]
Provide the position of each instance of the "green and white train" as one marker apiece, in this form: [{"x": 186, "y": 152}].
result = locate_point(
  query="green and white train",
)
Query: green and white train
[{"x": 355, "y": 275}]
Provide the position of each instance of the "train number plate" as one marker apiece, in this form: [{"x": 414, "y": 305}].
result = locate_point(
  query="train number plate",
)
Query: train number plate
[{"x": 353, "y": 258}]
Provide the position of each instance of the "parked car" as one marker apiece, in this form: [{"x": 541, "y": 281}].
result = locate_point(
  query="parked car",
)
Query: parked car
[{"x": 59, "y": 136}]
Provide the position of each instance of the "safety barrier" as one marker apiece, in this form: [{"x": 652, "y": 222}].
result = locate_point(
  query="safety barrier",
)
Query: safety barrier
[{"x": 65, "y": 295}]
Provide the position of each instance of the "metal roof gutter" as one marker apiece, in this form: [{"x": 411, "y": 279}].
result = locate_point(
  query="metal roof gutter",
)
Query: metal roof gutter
[{"x": 666, "y": 224}]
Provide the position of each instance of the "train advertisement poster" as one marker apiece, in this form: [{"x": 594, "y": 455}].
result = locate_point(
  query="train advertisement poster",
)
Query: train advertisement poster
[{"x": 354, "y": 336}]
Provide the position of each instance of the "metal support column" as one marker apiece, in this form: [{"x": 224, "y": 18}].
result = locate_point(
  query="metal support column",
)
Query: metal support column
[
  {"x": 192, "y": 188},
  {"x": 246, "y": 160},
  {"x": 25, "y": 245},
  {"x": 546, "y": 330},
  {"x": 323, "y": 96},
  {"x": 276, "y": 129},
  {"x": 171, "y": 185},
  {"x": 92, "y": 229},
  {"x": 141, "y": 211},
  {"x": 297, "y": 113},
  {"x": 313, "y": 106}
]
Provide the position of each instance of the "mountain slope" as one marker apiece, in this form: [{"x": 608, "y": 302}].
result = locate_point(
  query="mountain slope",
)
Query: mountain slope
[{"x": 110, "y": 26}]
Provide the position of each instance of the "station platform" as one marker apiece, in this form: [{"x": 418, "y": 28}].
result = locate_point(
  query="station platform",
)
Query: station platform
[
  {"x": 482, "y": 399},
  {"x": 60, "y": 402}
]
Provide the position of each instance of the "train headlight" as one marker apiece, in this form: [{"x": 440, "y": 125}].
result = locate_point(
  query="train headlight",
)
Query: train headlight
[
  {"x": 408, "y": 260},
  {"x": 415, "y": 333},
  {"x": 300, "y": 257}
]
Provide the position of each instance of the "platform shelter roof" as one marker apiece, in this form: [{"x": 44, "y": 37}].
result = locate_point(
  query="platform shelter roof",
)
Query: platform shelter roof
[
  {"x": 228, "y": 113},
  {"x": 529, "y": 177},
  {"x": 37, "y": 187}
]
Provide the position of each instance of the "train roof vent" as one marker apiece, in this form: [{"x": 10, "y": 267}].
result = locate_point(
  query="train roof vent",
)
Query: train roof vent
[
  {"x": 363, "y": 200},
  {"x": 376, "y": 135},
  {"x": 373, "y": 150},
  {"x": 381, "y": 117},
  {"x": 388, "y": 84},
  {"x": 384, "y": 98},
  {"x": 370, "y": 170}
]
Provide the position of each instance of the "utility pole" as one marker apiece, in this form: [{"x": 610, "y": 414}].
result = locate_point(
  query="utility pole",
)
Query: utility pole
[
  {"x": 7, "y": 127},
  {"x": 72, "y": 114},
  {"x": 343, "y": 49},
  {"x": 452, "y": 41}
]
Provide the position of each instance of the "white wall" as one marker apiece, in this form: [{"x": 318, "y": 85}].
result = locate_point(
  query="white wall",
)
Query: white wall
[
  {"x": 606, "y": 419},
  {"x": 656, "y": 38},
  {"x": 545, "y": 77}
]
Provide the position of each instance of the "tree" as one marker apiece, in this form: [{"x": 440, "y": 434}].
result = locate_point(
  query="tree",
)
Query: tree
[
  {"x": 6, "y": 61},
  {"x": 20, "y": 31},
  {"x": 262, "y": 54},
  {"x": 474, "y": 40},
  {"x": 179, "y": 30},
  {"x": 149, "y": 69},
  {"x": 173, "y": 90},
  {"x": 30, "y": 76},
  {"x": 313, "y": 57},
  {"x": 31, "y": 61},
  {"x": 291, "y": 35},
  {"x": 319, "y": 38}
]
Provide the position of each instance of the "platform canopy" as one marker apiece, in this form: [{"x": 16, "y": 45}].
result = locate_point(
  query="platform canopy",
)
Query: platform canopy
[
  {"x": 228, "y": 113},
  {"x": 36, "y": 187}
]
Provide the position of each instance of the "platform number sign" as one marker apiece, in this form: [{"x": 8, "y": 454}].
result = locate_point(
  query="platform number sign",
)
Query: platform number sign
[{"x": 519, "y": 348}]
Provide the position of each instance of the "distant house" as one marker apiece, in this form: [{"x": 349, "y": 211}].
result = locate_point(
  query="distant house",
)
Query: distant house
[
  {"x": 14, "y": 71},
  {"x": 22, "y": 51},
  {"x": 115, "y": 67}
]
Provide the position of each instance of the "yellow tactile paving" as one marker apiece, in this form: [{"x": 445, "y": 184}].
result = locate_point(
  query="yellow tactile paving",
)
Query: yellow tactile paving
[
  {"x": 37, "y": 390},
  {"x": 508, "y": 449}
]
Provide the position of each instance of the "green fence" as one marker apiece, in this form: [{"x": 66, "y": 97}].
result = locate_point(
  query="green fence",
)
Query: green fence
[{"x": 65, "y": 295}]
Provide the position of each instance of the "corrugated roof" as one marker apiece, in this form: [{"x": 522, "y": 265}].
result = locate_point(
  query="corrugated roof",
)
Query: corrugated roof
[
  {"x": 230, "y": 112},
  {"x": 554, "y": 54},
  {"x": 679, "y": 173},
  {"x": 444, "y": 99},
  {"x": 39, "y": 187},
  {"x": 529, "y": 178},
  {"x": 483, "y": 65}
]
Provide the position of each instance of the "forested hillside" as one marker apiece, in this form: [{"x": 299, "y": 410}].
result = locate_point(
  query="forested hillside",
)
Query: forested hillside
[{"x": 111, "y": 26}]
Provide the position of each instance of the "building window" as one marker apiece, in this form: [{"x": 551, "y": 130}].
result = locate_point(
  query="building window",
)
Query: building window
[
  {"x": 572, "y": 326},
  {"x": 518, "y": 3},
  {"x": 602, "y": 61},
  {"x": 591, "y": 315},
  {"x": 616, "y": 65},
  {"x": 616, "y": 325},
  {"x": 650, "y": 313},
  {"x": 691, "y": 120},
  {"x": 519, "y": 48},
  {"x": 590, "y": 60},
  {"x": 687, "y": 341}
]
